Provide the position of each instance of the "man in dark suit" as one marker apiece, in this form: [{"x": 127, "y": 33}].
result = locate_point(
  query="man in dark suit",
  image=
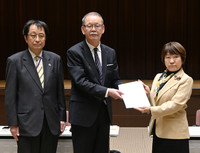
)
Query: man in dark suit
[
  {"x": 34, "y": 95},
  {"x": 94, "y": 75}
]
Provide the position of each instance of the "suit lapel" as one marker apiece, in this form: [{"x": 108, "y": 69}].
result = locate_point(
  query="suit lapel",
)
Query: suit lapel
[
  {"x": 153, "y": 88},
  {"x": 88, "y": 56},
  {"x": 173, "y": 81},
  {"x": 47, "y": 64},
  {"x": 104, "y": 62},
  {"x": 30, "y": 66}
]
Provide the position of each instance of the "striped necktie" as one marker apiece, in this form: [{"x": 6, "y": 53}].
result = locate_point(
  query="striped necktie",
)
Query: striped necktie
[
  {"x": 99, "y": 68},
  {"x": 39, "y": 68},
  {"x": 98, "y": 64}
]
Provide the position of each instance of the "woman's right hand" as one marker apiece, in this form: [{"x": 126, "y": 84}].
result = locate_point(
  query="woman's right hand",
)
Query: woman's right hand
[{"x": 146, "y": 88}]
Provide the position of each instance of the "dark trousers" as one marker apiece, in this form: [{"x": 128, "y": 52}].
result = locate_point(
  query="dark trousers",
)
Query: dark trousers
[
  {"x": 94, "y": 139},
  {"x": 45, "y": 142}
]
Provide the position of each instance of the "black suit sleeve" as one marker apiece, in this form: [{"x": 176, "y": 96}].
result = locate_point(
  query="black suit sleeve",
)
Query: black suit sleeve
[
  {"x": 10, "y": 92},
  {"x": 61, "y": 93}
]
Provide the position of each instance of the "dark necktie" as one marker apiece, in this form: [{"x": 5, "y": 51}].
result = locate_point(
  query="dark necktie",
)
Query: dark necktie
[
  {"x": 98, "y": 64},
  {"x": 99, "y": 67}
]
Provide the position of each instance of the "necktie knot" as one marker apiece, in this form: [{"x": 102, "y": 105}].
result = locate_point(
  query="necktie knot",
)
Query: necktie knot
[
  {"x": 95, "y": 50},
  {"x": 37, "y": 58},
  {"x": 96, "y": 56}
]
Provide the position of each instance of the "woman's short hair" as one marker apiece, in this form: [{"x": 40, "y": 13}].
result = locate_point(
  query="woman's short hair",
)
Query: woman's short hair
[{"x": 173, "y": 48}]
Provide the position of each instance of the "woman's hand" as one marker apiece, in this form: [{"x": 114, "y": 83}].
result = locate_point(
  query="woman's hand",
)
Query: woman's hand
[
  {"x": 144, "y": 109},
  {"x": 146, "y": 88}
]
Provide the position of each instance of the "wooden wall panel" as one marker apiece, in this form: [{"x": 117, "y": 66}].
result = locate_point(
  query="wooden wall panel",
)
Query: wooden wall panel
[
  {"x": 193, "y": 34},
  {"x": 136, "y": 29},
  {"x": 3, "y": 119}
]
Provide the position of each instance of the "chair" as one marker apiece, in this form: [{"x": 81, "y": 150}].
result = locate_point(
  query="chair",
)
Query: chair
[
  {"x": 67, "y": 117},
  {"x": 198, "y": 117}
]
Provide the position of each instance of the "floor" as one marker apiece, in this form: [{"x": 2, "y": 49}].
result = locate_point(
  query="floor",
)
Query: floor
[
  {"x": 136, "y": 140},
  {"x": 129, "y": 140}
]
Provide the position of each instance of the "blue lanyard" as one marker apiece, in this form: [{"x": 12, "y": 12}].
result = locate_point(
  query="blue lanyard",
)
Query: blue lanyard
[{"x": 38, "y": 62}]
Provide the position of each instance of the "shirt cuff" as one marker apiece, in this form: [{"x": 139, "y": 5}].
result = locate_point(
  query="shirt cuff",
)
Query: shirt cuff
[{"x": 106, "y": 93}]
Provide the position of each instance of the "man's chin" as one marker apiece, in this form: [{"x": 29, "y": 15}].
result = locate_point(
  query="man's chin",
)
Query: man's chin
[
  {"x": 94, "y": 38},
  {"x": 37, "y": 47}
]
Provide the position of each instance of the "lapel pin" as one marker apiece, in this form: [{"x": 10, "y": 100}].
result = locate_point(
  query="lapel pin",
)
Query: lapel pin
[
  {"x": 177, "y": 77},
  {"x": 49, "y": 64}
]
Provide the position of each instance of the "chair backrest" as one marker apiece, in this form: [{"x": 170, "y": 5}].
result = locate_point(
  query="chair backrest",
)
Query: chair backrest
[
  {"x": 198, "y": 117},
  {"x": 67, "y": 123}
]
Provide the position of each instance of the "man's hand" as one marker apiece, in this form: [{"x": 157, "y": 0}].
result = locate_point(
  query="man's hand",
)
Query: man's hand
[
  {"x": 62, "y": 126},
  {"x": 15, "y": 132},
  {"x": 114, "y": 93}
]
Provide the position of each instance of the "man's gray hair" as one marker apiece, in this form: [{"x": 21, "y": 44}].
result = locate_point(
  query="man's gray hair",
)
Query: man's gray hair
[{"x": 91, "y": 13}]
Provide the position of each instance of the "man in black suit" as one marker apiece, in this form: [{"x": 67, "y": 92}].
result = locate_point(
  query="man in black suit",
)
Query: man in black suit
[
  {"x": 34, "y": 95},
  {"x": 95, "y": 80}
]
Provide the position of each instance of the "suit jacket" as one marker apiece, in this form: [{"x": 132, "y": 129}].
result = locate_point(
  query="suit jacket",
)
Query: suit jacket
[
  {"x": 169, "y": 109},
  {"x": 87, "y": 92},
  {"x": 26, "y": 101}
]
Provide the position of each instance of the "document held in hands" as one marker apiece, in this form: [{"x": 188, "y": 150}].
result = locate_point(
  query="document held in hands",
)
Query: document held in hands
[{"x": 134, "y": 94}]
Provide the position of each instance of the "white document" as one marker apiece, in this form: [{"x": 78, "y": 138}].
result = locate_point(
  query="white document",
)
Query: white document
[{"x": 134, "y": 94}]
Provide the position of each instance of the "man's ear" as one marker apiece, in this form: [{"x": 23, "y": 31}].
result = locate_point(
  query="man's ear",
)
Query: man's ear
[
  {"x": 82, "y": 30},
  {"x": 25, "y": 38},
  {"x": 103, "y": 28}
]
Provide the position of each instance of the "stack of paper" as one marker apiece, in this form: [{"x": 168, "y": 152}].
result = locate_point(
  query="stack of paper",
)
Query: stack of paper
[{"x": 134, "y": 94}]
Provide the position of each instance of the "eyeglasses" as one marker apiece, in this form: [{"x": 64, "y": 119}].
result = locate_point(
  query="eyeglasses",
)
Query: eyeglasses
[
  {"x": 34, "y": 36},
  {"x": 96, "y": 26}
]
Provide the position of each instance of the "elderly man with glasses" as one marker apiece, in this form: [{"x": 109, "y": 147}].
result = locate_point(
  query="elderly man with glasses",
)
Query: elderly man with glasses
[{"x": 94, "y": 74}]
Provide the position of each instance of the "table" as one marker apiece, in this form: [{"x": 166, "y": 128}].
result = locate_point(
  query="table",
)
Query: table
[{"x": 5, "y": 131}]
